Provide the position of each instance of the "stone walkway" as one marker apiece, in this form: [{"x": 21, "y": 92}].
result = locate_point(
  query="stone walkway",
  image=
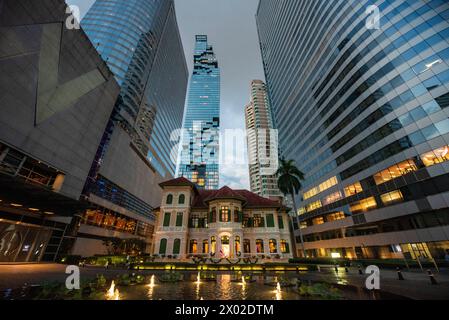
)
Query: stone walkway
[
  {"x": 15, "y": 276},
  {"x": 416, "y": 285}
]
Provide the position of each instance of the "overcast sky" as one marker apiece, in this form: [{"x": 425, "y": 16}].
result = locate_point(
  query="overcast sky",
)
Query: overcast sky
[{"x": 231, "y": 28}]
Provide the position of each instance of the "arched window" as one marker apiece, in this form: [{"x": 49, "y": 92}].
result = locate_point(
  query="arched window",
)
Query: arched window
[
  {"x": 246, "y": 246},
  {"x": 237, "y": 244},
  {"x": 182, "y": 199},
  {"x": 213, "y": 244},
  {"x": 225, "y": 250},
  {"x": 205, "y": 246},
  {"x": 259, "y": 246},
  {"x": 285, "y": 247},
  {"x": 193, "y": 248},
  {"x": 170, "y": 199},
  {"x": 177, "y": 246},
  {"x": 163, "y": 246},
  {"x": 273, "y": 246}
]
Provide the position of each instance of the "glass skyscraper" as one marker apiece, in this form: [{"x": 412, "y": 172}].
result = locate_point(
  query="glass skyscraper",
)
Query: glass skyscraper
[
  {"x": 364, "y": 112},
  {"x": 140, "y": 41},
  {"x": 200, "y": 142}
]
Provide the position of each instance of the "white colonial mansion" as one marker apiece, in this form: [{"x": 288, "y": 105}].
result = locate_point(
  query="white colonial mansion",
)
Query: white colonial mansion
[{"x": 221, "y": 223}]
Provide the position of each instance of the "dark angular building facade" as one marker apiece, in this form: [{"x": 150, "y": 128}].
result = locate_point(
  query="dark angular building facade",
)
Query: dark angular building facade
[
  {"x": 56, "y": 97},
  {"x": 364, "y": 112},
  {"x": 140, "y": 42}
]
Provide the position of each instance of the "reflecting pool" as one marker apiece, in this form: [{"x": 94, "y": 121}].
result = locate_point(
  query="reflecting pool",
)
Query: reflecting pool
[{"x": 225, "y": 287}]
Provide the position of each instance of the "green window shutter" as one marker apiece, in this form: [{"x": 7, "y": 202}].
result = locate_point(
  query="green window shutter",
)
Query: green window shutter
[
  {"x": 212, "y": 217},
  {"x": 170, "y": 199},
  {"x": 167, "y": 219},
  {"x": 280, "y": 222},
  {"x": 163, "y": 246},
  {"x": 229, "y": 216},
  {"x": 270, "y": 221},
  {"x": 287, "y": 248},
  {"x": 240, "y": 216},
  {"x": 177, "y": 246},
  {"x": 179, "y": 219}
]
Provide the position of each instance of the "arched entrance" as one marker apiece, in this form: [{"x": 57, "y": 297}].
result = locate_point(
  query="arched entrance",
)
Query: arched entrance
[{"x": 225, "y": 246}]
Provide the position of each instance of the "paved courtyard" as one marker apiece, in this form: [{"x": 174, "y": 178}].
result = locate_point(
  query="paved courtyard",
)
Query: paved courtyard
[{"x": 416, "y": 285}]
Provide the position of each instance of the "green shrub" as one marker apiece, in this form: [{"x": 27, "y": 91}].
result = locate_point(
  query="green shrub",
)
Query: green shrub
[
  {"x": 70, "y": 259},
  {"x": 320, "y": 290},
  {"x": 171, "y": 277}
]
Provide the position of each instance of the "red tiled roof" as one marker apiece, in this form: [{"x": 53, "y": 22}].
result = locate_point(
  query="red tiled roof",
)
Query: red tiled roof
[
  {"x": 255, "y": 201},
  {"x": 224, "y": 193},
  {"x": 181, "y": 182},
  {"x": 249, "y": 199}
]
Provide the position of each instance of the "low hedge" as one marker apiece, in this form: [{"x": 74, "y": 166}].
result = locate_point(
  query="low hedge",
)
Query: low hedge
[
  {"x": 101, "y": 260},
  {"x": 70, "y": 260}
]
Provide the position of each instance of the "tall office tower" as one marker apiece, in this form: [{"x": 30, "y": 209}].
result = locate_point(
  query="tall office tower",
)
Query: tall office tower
[
  {"x": 262, "y": 143},
  {"x": 200, "y": 142},
  {"x": 363, "y": 109},
  {"x": 57, "y": 95},
  {"x": 140, "y": 42}
]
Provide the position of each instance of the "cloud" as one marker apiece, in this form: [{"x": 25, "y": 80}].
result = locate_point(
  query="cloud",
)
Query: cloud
[
  {"x": 235, "y": 176},
  {"x": 231, "y": 28}
]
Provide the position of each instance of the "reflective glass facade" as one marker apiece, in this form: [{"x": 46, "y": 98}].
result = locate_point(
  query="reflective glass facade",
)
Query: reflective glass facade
[
  {"x": 140, "y": 41},
  {"x": 200, "y": 147},
  {"x": 351, "y": 101}
]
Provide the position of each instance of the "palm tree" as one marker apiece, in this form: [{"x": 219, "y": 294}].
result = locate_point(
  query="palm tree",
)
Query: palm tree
[{"x": 289, "y": 183}]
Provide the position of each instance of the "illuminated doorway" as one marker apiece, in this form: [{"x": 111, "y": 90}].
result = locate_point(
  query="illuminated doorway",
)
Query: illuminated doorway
[{"x": 225, "y": 247}]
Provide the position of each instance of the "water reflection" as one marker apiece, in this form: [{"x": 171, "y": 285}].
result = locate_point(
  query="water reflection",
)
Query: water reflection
[
  {"x": 198, "y": 290},
  {"x": 278, "y": 292},
  {"x": 113, "y": 293},
  {"x": 151, "y": 286},
  {"x": 244, "y": 297},
  {"x": 226, "y": 287}
]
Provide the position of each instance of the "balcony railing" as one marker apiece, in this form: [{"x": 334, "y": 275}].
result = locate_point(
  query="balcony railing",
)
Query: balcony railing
[{"x": 171, "y": 229}]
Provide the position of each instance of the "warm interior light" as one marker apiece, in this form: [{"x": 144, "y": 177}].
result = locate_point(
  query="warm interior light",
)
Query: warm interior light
[
  {"x": 16, "y": 205},
  {"x": 33, "y": 209},
  {"x": 49, "y": 212},
  {"x": 335, "y": 255}
]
